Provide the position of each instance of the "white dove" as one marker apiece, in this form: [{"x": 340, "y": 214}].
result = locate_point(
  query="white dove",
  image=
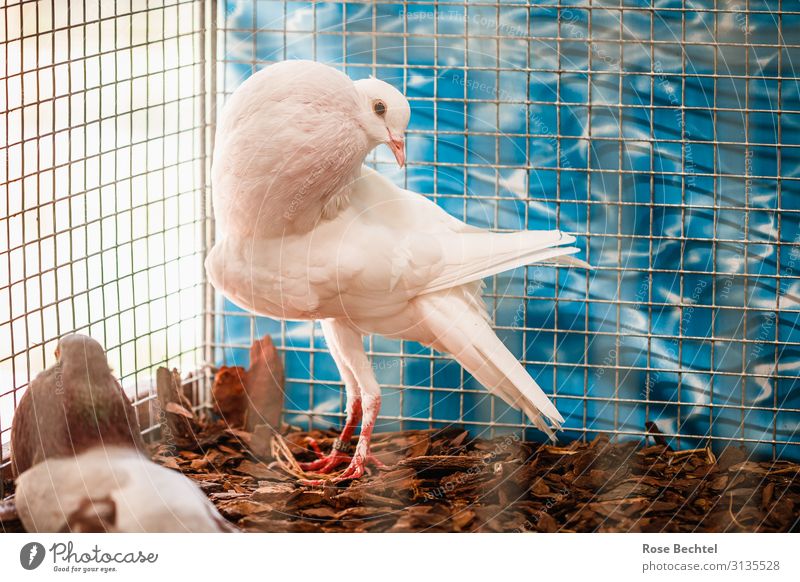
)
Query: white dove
[{"x": 305, "y": 231}]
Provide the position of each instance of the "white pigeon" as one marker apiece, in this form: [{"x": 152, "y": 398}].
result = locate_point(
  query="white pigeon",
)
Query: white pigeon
[
  {"x": 115, "y": 490},
  {"x": 305, "y": 231}
]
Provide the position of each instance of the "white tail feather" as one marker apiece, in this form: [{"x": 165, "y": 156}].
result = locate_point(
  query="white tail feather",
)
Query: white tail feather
[
  {"x": 463, "y": 332},
  {"x": 571, "y": 262}
]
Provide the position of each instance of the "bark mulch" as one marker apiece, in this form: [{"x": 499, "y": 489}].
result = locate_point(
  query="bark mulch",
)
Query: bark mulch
[{"x": 445, "y": 481}]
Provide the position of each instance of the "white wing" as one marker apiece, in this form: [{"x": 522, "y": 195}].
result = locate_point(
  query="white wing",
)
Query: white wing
[
  {"x": 145, "y": 497},
  {"x": 387, "y": 246}
]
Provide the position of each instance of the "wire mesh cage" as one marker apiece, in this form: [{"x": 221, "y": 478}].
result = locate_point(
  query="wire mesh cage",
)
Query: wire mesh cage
[
  {"x": 102, "y": 200},
  {"x": 662, "y": 134}
]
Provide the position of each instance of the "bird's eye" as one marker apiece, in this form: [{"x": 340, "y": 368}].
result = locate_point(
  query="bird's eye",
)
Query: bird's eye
[{"x": 379, "y": 107}]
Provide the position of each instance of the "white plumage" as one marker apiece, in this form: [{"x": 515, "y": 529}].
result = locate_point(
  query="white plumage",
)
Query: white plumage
[
  {"x": 114, "y": 489},
  {"x": 307, "y": 232}
]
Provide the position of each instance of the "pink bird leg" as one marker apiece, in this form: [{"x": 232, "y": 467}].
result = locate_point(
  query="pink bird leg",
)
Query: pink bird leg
[
  {"x": 363, "y": 404},
  {"x": 339, "y": 454}
]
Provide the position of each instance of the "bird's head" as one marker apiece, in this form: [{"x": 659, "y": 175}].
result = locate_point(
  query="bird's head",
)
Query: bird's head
[
  {"x": 78, "y": 347},
  {"x": 385, "y": 116}
]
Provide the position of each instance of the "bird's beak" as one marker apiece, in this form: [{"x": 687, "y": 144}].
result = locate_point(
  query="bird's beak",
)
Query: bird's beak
[{"x": 398, "y": 147}]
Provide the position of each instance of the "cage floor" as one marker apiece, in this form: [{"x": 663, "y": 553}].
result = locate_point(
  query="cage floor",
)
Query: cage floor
[{"x": 444, "y": 481}]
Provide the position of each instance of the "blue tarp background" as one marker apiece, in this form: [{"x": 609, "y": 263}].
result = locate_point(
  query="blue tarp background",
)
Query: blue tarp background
[{"x": 512, "y": 128}]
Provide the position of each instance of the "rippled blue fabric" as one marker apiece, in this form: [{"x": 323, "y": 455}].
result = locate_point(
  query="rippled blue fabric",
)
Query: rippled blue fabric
[{"x": 691, "y": 319}]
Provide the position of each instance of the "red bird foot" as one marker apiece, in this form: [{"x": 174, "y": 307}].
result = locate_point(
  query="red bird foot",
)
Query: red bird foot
[{"x": 339, "y": 455}]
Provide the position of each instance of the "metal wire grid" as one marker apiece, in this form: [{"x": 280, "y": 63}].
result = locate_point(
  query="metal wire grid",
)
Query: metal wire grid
[
  {"x": 575, "y": 52},
  {"x": 102, "y": 200},
  {"x": 135, "y": 347}
]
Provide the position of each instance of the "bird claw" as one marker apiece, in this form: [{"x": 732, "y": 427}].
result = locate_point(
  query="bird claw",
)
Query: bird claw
[
  {"x": 354, "y": 470},
  {"x": 326, "y": 464},
  {"x": 312, "y": 442}
]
